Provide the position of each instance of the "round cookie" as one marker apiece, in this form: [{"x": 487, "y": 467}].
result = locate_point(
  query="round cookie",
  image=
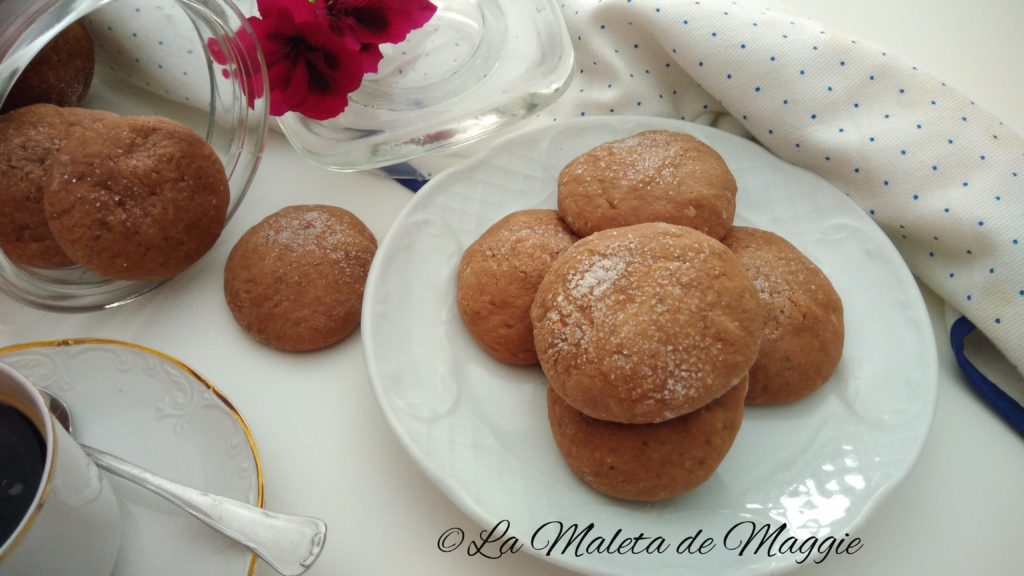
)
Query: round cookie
[
  {"x": 141, "y": 198},
  {"x": 645, "y": 323},
  {"x": 29, "y": 136},
  {"x": 647, "y": 462},
  {"x": 59, "y": 74},
  {"x": 498, "y": 278},
  {"x": 295, "y": 280},
  {"x": 803, "y": 318},
  {"x": 653, "y": 176}
]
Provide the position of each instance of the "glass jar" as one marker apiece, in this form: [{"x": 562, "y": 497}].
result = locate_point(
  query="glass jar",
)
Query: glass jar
[
  {"x": 477, "y": 66},
  {"x": 152, "y": 58}
]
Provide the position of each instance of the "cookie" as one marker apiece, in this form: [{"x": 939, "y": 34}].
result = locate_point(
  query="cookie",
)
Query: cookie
[
  {"x": 59, "y": 74},
  {"x": 653, "y": 176},
  {"x": 647, "y": 462},
  {"x": 498, "y": 278},
  {"x": 645, "y": 323},
  {"x": 295, "y": 280},
  {"x": 29, "y": 136},
  {"x": 803, "y": 318},
  {"x": 140, "y": 198}
]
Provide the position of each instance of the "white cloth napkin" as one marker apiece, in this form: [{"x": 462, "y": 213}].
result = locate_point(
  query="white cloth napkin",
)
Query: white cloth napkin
[{"x": 941, "y": 176}]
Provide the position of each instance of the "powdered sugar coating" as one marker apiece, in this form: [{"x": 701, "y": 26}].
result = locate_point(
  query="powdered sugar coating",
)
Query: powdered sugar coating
[{"x": 645, "y": 323}]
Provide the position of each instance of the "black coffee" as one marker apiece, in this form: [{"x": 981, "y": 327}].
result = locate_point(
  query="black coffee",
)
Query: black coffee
[{"x": 22, "y": 456}]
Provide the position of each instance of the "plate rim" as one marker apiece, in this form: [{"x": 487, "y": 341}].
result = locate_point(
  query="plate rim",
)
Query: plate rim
[
  {"x": 368, "y": 329},
  {"x": 220, "y": 395}
]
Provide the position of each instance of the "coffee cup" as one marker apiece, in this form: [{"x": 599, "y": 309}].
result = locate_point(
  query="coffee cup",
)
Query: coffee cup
[{"x": 58, "y": 514}]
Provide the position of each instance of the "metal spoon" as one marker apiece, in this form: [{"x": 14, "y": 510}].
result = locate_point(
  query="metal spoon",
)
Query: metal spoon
[{"x": 289, "y": 544}]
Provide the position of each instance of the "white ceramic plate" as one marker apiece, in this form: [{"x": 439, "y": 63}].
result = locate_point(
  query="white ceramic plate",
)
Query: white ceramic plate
[
  {"x": 480, "y": 429},
  {"x": 157, "y": 412}
]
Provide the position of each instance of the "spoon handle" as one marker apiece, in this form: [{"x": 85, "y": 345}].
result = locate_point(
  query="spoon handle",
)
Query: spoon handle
[{"x": 289, "y": 544}]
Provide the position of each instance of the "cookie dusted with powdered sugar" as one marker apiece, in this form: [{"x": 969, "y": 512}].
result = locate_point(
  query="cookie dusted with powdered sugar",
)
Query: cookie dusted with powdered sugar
[
  {"x": 645, "y": 323},
  {"x": 498, "y": 278},
  {"x": 295, "y": 280},
  {"x": 647, "y": 462},
  {"x": 653, "y": 176},
  {"x": 803, "y": 318}
]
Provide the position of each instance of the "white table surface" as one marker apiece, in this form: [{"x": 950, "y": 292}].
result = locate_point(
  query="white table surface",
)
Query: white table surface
[{"x": 327, "y": 450}]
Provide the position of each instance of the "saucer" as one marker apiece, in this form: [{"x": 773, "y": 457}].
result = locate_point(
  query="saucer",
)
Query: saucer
[{"x": 154, "y": 411}]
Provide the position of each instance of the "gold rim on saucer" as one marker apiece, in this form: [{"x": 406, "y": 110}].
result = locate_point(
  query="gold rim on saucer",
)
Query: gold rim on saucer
[{"x": 68, "y": 342}]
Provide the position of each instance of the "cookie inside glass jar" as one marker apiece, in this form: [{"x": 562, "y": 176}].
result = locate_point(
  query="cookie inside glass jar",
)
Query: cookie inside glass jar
[
  {"x": 137, "y": 198},
  {"x": 60, "y": 74},
  {"x": 29, "y": 137}
]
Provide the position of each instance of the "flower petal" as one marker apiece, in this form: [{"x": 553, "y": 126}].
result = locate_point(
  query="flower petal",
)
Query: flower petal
[
  {"x": 380, "y": 21},
  {"x": 317, "y": 51},
  {"x": 298, "y": 10},
  {"x": 371, "y": 57},
  {"x": 312, "y": 70}
]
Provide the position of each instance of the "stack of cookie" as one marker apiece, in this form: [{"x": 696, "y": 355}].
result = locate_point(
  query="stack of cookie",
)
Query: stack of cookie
[
  {"x": 129, "y": 198},
  {"x": 659, "y": 324}
]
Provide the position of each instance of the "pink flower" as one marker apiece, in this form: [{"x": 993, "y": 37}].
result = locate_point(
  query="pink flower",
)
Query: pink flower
[
  {"x": 317, "y": 51},
  {"x": 310, "y": 69}
]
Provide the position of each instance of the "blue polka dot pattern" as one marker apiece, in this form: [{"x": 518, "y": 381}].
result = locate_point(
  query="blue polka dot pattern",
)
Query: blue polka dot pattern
[{"x": 902, "y": 144}]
